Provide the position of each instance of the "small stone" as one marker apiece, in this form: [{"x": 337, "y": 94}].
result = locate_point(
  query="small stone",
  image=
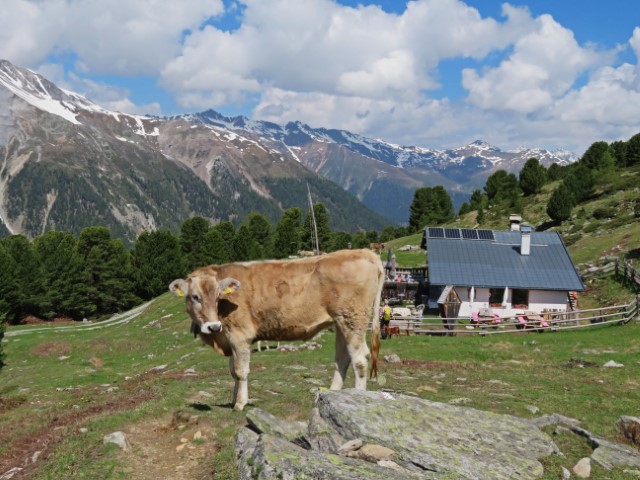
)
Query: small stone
[
  {"x": 181, "y": 447},
  {"x": 9, "y": 474},
  {"x": 35, "y": 456},
  {"x": 566, "y": 474},
  {"x": 183, "y": 440},
  {"x": 83, "y": 430},
  {"x": 629, "y": 428},
  {"x": 117, "y": 438},
  {"x": 197, "y": 435},
  {"x": 393, "y": 358},
  {"x": 583, "y": 468},
  {"x": 350, "y": 446},
  {"x": 533, "y": 409},
  {"x": 159, "y": 368},
  {"x": 613, "y": 364},
  {"x": 372, "y": 453}
]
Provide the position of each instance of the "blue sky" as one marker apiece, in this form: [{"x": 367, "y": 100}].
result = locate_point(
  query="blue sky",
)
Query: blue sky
[{"x": 433, "y": 73}]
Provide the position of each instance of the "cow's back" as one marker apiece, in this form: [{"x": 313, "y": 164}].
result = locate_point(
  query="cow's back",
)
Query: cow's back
[{"x": 294, "y": 299}]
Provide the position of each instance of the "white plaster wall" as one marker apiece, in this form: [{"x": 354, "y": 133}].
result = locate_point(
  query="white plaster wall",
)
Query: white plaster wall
[{"x": 539, "y": 300}]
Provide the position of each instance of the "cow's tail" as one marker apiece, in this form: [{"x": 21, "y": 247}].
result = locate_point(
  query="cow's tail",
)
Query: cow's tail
[{"x": 375, "y": 327}]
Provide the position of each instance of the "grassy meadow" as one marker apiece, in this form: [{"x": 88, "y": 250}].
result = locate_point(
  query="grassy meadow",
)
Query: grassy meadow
[{"x": 62, "y": 391}]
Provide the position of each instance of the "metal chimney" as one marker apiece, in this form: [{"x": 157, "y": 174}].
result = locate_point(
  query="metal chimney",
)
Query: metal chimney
[{"x": 525, "y": 240}]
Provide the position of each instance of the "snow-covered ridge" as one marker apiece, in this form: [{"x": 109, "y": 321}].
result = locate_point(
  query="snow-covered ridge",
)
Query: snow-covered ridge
[{"x": 37, "y": 91}]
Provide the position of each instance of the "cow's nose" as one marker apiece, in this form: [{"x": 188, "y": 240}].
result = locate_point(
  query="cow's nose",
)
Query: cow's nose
[{"x": 211, "y": 327}]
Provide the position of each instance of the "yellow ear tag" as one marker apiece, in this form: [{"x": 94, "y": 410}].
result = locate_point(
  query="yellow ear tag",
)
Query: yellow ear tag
[
  {"x": 179, "y": 292},
  {"x": 230, "y": 289}
]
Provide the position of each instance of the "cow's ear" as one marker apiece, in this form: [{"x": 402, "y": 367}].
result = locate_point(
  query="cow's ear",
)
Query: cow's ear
[
  {"x": 228, "y": 285},
  {"x": 179, "y": 287}
]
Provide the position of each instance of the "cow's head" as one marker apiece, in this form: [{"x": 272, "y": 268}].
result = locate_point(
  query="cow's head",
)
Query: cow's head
[{"x": 202, "y": 293}]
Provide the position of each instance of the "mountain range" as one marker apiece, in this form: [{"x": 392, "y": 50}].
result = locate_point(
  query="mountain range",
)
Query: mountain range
[{"x": 67, "y": 163}]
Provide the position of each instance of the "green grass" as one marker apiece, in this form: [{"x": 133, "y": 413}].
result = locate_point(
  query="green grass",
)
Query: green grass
[{"x": 502, "y": 374}]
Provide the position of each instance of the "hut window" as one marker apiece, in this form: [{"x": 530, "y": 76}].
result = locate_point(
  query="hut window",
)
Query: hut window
[
  {"x": 495, "y": 296},
  {"x": 520, "y": 298}
]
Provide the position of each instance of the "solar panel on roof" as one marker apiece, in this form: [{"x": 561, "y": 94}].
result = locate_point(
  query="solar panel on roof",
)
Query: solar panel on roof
[
  {"x": 435, "y": 232},
  {"x": 469, "y": 234},
  {"x": 452, "y": 233},
  {"x": 485, "y": 235}
]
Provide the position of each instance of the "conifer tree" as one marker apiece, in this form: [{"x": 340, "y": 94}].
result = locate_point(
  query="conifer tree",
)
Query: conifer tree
[
  {"x": 9, "y": 299},
  {"x": 322, "y": 226},
  {"x": 560, "y": 204},
  {"x": 157, "y": 261},
  {"x": 532, "y": 178},
  {"x": 430, "y": 206},
  {"x": 242, "y": 245},
  {"x": 216, "y": 250},
  {"x": 192, "y": 235},
  {"x": 109, "y": 270},
  {"x": 287, "y": 235},
  {"x": 260, "y": 232},
  {"x": 65, "y": 280},
  {"x": 28, "y": 275}
]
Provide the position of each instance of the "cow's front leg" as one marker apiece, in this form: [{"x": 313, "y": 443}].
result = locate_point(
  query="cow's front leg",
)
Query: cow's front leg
[
  {"x": 342, "y": 361},
  {"x": 232, "y": 370},
  {"x": 240, "y": 359}
]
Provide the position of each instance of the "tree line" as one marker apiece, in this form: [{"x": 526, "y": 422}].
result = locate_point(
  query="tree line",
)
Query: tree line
[{"x": 58, "y": 274}]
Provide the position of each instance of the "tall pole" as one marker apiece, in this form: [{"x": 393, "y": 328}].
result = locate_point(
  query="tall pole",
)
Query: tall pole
[{"x": 314, "y": 234}]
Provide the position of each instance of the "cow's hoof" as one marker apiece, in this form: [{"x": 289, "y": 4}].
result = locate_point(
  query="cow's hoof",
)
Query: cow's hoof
[{"x": 238, "y": 408}]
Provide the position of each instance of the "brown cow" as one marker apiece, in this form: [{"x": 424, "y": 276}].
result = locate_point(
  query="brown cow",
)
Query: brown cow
[{"x": 233, "y": 305}]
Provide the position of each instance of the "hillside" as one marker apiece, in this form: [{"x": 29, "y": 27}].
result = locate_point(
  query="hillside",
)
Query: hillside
[
  {"x": 143, "y": 373},
  {"x": 604, "y": 227}
]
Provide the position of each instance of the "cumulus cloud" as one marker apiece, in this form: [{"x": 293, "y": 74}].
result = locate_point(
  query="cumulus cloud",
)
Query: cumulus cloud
[
  {"x": 544, "y": 65},
  {"x": 527, "y": 79}
]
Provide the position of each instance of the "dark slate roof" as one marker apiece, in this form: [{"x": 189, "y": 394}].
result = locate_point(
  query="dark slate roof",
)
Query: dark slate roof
[{"x": 498, "y": 262}]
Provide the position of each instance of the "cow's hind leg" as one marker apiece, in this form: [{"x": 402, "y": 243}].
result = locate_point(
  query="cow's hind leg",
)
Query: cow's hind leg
[
  {"x": 240, "y": 367},
  {"x": 359, "y": 354},
  {"x": 342, "y": 361}
]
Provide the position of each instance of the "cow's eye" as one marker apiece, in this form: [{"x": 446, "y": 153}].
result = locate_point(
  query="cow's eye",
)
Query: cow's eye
[{"x": 195, "y": 297}]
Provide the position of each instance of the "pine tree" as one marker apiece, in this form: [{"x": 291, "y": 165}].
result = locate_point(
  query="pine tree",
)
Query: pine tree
[
  {"x": 242, "y": 245},
  {"x": 288, "y": 233},
  {"x": 322, "y": 226},
  {"x": 501, "y": 186},
  {"x": 9, "y": 298},
  {"x": 109, "y": 270},
  {"x": 533, "y": 176},
  {"x": 65, "y": 279},
  {"x": 341, "y": 241},
  {"x": 216, "y": 250},
  {"x": 560, "y": 204},
  {"x": 430, "y": 206},
  {"x": 261, "y": 238},
  {"x": 28, "y": 275},
  {"x": 157, "y": 261},
  {"x": 192, "y": 235}
]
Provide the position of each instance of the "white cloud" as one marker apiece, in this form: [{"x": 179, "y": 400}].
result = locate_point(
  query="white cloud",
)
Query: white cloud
[
  {"x": 323, "y": 47},
  {"x": 108, "y": 36},
  {"x": 544, "y": 65},
  {"x": 356, "y": 68}
]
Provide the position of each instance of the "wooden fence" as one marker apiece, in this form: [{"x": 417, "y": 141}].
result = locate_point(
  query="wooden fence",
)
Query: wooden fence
[
  {"x": 629, "y": 275},
  {"x": 551, "y": 321}
]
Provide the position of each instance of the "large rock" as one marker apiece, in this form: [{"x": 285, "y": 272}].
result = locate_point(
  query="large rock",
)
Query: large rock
[
  {"x": 450, "y": 441},
  {"x": 402, "y": 437}
]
